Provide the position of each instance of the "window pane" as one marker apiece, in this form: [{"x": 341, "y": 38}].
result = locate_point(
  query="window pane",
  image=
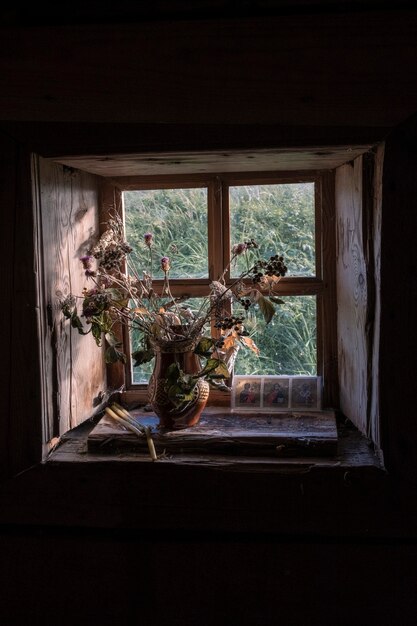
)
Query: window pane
[
  {"x": 177, "y": 219},
  {"x": 280, "y": 218},
  {"x": 287, "y": 345}
]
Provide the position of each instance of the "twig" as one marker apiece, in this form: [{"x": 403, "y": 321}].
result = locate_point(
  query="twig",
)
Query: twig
[{"x": 119, "y": 414}]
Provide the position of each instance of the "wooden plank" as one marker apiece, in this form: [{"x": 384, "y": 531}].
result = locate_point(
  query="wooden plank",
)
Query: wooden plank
[
  {"x": 374, "y": 415},
  {"x": 351, "y": 294},
  {"x": 73, "y": 364},
  {"x": 327, "y": 300},
  {"x": 62, "y": 140},
  {"x": 110, "y": 204},
  {"x": 172, "y": 163},
  {"x": 221, "y": 432}
]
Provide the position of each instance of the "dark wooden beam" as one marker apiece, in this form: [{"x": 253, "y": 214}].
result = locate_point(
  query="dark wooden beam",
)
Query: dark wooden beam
[{"x": 336, "y": 69}]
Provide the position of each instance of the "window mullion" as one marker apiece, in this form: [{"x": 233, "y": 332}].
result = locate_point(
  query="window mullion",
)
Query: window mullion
[{"x": 215, "y": 228}]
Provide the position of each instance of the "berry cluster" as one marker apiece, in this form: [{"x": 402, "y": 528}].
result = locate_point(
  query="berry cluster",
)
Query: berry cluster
[
  {"x": 246, "y": 303},
  {"x": 112, "y": 255},
  {"x": 251, "y": 244},
  {"x": 227, "y": 323},
  {"x": 273, "y": 267}
]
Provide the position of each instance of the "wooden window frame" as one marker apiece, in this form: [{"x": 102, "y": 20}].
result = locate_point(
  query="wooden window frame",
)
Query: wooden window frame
[{"x": 322, "y": 285}]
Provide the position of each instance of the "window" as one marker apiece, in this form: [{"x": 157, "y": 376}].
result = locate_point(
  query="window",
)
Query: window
[{"x": 199, "y": 218}]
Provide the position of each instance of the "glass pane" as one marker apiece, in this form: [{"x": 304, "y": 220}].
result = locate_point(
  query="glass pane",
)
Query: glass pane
[
  {"x": 288, "y": 344},
  {"x": 281, "y": 219},
  {"x": 177, "y": 219},
  {"x": 141, "y": 373}
]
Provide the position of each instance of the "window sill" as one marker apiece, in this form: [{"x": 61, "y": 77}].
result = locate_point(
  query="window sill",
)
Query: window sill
[
  {"x": 342, "y": 449},
  {"x": 345, "y": 493}
]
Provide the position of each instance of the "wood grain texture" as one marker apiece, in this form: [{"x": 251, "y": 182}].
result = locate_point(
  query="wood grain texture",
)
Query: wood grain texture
[
  {"x": 327, "y": 299},
  {"x": 374, "y": 430},
  {"x": 166, "y": 163},
  {"x": 74, "y": 367},
  {"x": 222, "y": 432},
  {"x": 351, "y": 274}
]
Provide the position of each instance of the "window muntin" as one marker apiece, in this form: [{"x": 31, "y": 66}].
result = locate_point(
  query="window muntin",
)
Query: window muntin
[{"x": 301, "y": 292}]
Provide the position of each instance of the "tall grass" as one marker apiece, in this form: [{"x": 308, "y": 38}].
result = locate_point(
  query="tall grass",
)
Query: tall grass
[{"x": 176, "y": 217}]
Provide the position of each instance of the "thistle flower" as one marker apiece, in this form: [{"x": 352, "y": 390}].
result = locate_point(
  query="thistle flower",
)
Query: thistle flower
[
  {"x": 148, "y": 239},
  {"x": 165, "y": 264},
  {"x": 239, "y": 248},
  {"x": 86, "y": 261}
]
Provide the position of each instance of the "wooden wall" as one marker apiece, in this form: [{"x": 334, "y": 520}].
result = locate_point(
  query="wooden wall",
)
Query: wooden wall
[
  {"x": 358, "y": 193},
  {"x": 72, "y": 365},
  {"x": 351, "y": 294}
]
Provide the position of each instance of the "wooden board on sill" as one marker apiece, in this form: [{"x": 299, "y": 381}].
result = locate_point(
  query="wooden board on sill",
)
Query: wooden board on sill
[{"x": 220, "y": 431}]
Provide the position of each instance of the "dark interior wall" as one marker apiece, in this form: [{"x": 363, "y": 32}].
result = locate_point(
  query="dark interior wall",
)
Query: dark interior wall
[
  {"x": 127, "y": 580},
  {"x": 21, "y": 397},
  {"x": 398, "y": 347},
  {"x": 67, "y": 567}
]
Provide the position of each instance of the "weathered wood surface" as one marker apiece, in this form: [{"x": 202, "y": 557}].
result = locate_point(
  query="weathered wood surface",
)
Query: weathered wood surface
[
  {"x": 327, "y": 299},
  {"x": 373, "y": 226},
  {"x": 351, "y": 294},
  {"x": 157, "y": 164},
  {"x": 73, "y": 364},
  {"x": 219, "y": 431}
]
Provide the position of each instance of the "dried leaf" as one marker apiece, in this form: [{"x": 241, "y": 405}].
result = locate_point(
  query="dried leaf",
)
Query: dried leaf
[
  {"x": 267, "y": 308},
  {"x": 230, "y": 341},
  {"x": 204, "y": 346},
  {"x": 221, "y": 371},
  {"x": 249, "y": 343},
  {"x": 142, "y": 356}
]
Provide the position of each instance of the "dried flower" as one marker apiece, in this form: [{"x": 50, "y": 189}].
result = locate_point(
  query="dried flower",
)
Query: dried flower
[
  {"x": 165, "y": 264},
  {"x": 86, "y": 261},
  {"x": 123, "y": 294},
  {"x": 239, "y": 248}
]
